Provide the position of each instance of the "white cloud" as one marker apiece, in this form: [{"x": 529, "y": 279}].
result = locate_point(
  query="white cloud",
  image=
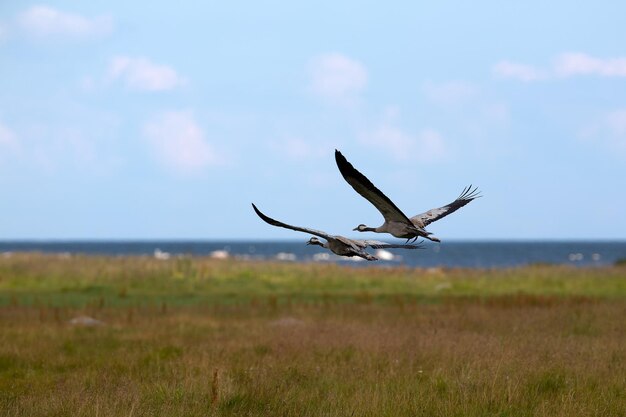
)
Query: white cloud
[
  {"x": 607, "y": 131},
  {"x": 564, "y": 65},
  {"x": 337, "y": 78},
  {"x": 497, "y": 113},
  {"x": 87, "y": 83},
  {"x": 616, "y": 124},
  {"x": 4, "y": 32},
  {"x": 79, "y": 145},
  {"x": 179, "y": 143},
  {"x": 472, "y": 109},
  {"x": 571, "y": 64},
  {"x": 142, "y": 74},
  {"x": 46, "y": 21},
  {"x": 427, "y": 146},
  {"x": 431, "y": 145},
  {"x": 52, "y": 148},
  {"x": 8, "y": 139},
  {"x": 507, "y": 69},
  {"x": 450, "y": 93},
  {"x": 616, "y": 121}
]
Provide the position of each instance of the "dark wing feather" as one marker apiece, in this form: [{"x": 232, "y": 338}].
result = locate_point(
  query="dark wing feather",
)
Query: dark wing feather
[
  {"x": 273, "y": 222},
  {"x": 375, "y": 244},
  {"x": 363, "y": 186},
  {"x": 354, "y": 244},
  {"x": 437, "y": 213}
]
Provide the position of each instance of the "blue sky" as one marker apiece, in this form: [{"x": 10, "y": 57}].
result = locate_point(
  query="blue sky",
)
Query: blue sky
[{"x": 142, "y": 120}]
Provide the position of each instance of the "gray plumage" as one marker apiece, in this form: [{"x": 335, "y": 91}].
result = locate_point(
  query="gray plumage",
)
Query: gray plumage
[
  {"x": 339, "y": 245},
  {"x": 396, "y": 222}
]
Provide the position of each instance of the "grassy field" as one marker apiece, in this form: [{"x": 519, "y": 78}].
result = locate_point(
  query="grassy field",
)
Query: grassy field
[{"x": 195, "y": 336}]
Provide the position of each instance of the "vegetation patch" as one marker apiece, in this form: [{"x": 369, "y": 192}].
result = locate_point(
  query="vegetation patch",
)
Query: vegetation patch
[{"x": 227, "y": 338}]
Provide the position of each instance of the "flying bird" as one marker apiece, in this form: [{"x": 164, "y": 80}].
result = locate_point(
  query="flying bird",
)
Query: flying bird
[
  {"x": 339, "y": 245},
  {"x": 396, "y": 222}
]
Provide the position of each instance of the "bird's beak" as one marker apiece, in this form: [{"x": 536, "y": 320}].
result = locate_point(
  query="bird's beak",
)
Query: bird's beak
[
  {"x": 356, "y": 228},
  {"x": 308, "y": 242}
]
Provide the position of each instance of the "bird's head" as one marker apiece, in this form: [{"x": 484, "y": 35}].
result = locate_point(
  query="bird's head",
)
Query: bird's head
[
  {"x": 361, "y": 228},
  {"x": 314, "y": 241}
]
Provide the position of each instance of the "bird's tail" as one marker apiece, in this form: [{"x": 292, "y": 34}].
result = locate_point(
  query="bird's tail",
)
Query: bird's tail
[{"x": 433, "y": 238}]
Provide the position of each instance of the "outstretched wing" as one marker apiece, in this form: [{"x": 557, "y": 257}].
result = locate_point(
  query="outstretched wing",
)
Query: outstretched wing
[
  {"x": 437, "y": 213},
  {"x": 363, "y": 186},
  {"x": 273, "y": 222},
  {"x": 357, "y": 245},
  {"x": 375, "y": 244}
]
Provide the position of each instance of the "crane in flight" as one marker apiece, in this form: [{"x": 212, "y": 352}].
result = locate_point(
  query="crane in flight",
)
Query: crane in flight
[
  {"x": 396, "y": 222},
  {"x": 339, "y": 245}
]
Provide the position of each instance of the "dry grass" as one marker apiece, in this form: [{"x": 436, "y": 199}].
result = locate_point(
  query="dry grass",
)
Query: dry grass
[{"x": 379, "y": 342}]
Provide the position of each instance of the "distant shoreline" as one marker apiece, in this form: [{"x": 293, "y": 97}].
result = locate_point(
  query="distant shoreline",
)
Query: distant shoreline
[{"x": 456, "y": 254}]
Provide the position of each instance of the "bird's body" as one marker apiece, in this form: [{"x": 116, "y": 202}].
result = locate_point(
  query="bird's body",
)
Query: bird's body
[
  {"x": 342, "y": 246},
  {"x": 396, "y": 222},
  {"x": 339, "y": 245},
  {"x": 401, "y": 230}
]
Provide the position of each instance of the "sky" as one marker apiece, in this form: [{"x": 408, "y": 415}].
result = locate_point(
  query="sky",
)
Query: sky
[{"x": 165, "y": 120}]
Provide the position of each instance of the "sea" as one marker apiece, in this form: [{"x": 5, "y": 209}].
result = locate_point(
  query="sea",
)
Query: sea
[{"x": 466, "y": 254}]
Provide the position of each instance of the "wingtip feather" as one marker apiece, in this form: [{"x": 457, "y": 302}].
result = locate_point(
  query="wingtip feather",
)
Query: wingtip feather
[{"x": 469, "y": 194}]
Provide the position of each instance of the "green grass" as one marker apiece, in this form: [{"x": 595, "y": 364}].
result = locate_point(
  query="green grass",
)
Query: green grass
[
  {"x": 59, "y": 281},
  {"x": 193, "y": 337}
]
